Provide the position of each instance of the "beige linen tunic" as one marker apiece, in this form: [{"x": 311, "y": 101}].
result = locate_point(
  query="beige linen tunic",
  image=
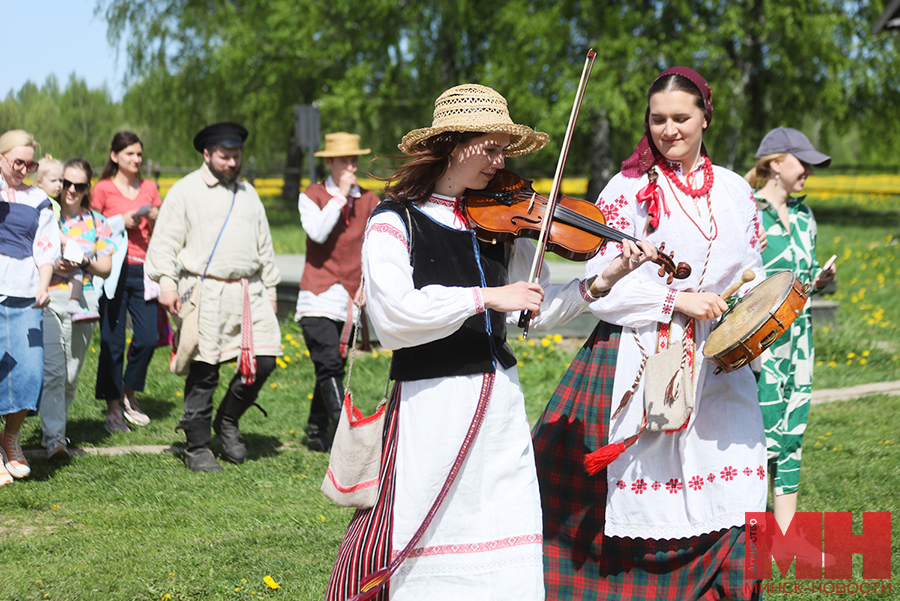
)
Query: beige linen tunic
[{"x": 189, "y": 222}]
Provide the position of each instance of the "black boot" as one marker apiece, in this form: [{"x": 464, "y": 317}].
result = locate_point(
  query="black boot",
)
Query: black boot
[
  {"x": 317, "y": 439},
  {"x": 226, "y": 427},
  {"x": 333, "y": 396},
  {"x": 197, "y": 456}
]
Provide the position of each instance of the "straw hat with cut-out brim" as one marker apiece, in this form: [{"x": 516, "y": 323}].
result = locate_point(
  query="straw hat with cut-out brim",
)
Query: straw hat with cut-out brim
[
  {"x": 474, "y": 108},
  {"x": 342, "y": 144}
]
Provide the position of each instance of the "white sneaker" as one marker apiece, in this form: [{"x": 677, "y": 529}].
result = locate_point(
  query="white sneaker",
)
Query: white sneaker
[
  {"x": 13, "y": 458},
  {"x": 133, "y": 412}
]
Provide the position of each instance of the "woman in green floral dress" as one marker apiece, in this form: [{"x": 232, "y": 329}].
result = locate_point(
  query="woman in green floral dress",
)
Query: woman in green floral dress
[{"x": 783, "y": 162}]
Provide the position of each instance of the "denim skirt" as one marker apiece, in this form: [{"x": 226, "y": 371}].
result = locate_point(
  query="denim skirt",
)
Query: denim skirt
[{"x": 21, "y": 355}]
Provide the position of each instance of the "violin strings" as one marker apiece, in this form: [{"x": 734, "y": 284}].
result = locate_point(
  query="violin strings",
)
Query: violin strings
[{"x": 574, "y": 219}]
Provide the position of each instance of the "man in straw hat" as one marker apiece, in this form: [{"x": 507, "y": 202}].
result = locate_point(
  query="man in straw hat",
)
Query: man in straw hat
[
  {"x": 334, "y": 215},
  {"x": 212, "y": 233}
]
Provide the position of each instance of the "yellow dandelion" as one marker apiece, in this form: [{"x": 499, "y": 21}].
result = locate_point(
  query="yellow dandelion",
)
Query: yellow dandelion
[
  {"x": 178, "y": 394},
  {"x": 273, "y": 385},
  {"x": 55, "y": 506},
  {"x": 288, "y": 337},
  {"x": 557, "y": 338},
  {"x": 166, "y": 597},
  {"x": 303, "y": 476},
  {"x": 306, "y": 352},
  {"x": 862, "y": 361},
  {"x": 865, "y": 353},
  {"x": 828, "y": 434},
  {"x": 287, "y": 359},
  {"x": 292, "y": 431},
  {"x": 375, "y": 354},
  {"x": 271, "y": 583},
  {"x": 309, "y": 396},
  {"x": 851, "y": 355},
  {"x": 322, "y": 518},
  {"x": 817, "y": 444},
  {"x": 171, "y": 574}
]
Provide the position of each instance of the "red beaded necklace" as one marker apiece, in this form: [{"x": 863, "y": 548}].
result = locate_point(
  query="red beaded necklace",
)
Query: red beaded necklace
[{"x": 672, "y": 177}]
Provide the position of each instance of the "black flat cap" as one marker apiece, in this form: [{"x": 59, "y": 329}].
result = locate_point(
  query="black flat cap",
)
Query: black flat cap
[{"x": 226, "y": 134}]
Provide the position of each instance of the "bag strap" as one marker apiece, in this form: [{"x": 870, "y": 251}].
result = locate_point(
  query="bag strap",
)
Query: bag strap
[
  {"x": 372, "y": 584},
  {"x": 216, "y": 245}
]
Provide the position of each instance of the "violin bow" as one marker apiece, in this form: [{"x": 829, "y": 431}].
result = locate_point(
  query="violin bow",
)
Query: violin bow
[{"x": 538, "y": 262}]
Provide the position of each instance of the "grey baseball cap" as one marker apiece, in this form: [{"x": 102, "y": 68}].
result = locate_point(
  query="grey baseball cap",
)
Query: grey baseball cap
[{"x": 786, "y": 139}]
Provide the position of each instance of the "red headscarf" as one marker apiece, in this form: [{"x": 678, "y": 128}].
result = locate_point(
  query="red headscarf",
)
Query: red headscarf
[{"x": 646, "y": 153}]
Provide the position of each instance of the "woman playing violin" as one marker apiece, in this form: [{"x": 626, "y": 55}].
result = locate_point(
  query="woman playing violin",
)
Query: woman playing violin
[
  {"x": 440, "y": 299},
  {"x": 663, "y": 514}
]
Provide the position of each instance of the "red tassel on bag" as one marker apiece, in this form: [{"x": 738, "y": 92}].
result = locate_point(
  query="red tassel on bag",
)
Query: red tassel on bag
[{"x": 602, "y": 457}]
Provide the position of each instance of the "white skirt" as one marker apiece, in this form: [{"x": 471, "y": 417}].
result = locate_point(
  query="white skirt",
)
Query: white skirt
[{"x": 485, "y": 542}]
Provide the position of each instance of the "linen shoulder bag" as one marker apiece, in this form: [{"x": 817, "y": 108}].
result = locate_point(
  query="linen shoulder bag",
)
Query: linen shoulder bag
[
  {"x": 355, "y": 461},
  {"x": 186, "y": 340}
]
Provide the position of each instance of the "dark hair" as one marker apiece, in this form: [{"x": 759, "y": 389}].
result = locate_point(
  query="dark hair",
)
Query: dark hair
[
  {"x": 79, "y": 163},
  {"x": 674, "y": 82},
  {"x": 414, "y": 180},
  {"x": 121, "y": 140}
]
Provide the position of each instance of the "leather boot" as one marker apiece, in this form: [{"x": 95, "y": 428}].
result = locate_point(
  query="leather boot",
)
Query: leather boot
[
  {"x": 226, "y": 427},
  {"x": 317, "y": 439},
  {"x": 333, "y": 396},
  {"x": 197, "y": 456}
]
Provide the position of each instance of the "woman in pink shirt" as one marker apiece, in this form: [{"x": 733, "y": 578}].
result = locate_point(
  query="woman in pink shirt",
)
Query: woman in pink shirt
[{"x": 122, "y": 192}]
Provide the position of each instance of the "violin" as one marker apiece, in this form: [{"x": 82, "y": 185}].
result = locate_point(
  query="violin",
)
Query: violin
[{"x": 509, "y": 208}]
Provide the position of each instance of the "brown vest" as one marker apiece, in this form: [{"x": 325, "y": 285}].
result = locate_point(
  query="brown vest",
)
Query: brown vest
[{"x": 339, "y": 258}]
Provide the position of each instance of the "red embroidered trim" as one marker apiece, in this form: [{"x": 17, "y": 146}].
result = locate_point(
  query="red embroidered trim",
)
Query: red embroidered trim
[
  {"x": 613, "y": 219},
  {"x": 390, "y": 230},
  {"x": 460, "y": 549},
  {"x": 585, "y": 293},
  {"x": 479, "y": 300},
  {"x": 669, "y": 303},
  {"x": 444, "y": 202},
  {"x": 696, "y": 483}
]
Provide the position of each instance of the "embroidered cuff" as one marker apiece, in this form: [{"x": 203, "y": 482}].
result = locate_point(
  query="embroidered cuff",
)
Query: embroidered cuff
[
  {"x": 479, "y": 300},
  {"x": 669, "y": 303}
]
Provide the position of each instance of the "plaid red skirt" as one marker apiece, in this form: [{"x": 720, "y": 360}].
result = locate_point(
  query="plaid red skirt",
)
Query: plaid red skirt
[
  {"x": 366, "y": 547},
  {"x": 579, "y": 561}
]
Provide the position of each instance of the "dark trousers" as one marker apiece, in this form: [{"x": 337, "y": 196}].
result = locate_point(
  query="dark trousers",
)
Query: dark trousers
[
  {"x": 129, "y": 300},
  {"x": 203, "y": 379},
  {"x": 323, "y": 340}
]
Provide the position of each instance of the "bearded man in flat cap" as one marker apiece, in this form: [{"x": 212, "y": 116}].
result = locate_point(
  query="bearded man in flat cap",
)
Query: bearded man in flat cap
[{"x": 212, "y": 255}]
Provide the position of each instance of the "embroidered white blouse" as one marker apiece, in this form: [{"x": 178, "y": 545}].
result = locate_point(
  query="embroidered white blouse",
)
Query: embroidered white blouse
[
  {"x": 404, "y": 316},
  {"x": 702, "y": 478},
  {"x": 318, "y": 224}
]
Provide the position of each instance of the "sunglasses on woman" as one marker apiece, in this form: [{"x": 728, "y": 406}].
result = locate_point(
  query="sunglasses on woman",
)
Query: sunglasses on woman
[
  {"x": 30, "y": 166},
  {"x": 79, "y": 188}
]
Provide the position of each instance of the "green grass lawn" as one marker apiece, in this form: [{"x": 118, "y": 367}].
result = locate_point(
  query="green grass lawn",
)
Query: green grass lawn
[{"x": 142, "y": 527}]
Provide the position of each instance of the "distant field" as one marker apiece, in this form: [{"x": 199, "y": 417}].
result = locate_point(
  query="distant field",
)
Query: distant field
[{"x": 821, "y": 186}]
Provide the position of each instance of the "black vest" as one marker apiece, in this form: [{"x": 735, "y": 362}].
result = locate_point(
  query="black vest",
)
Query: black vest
[{"x": 448, "y": 257}]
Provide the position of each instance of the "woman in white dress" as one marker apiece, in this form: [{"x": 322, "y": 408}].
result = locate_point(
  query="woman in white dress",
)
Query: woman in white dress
[
  {"x": 440, "y": 299},
  {"x": 665, "y": 518}
]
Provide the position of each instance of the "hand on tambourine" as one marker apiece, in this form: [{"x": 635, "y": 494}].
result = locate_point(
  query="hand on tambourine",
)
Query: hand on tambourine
[{"x": 700, "y": 305}]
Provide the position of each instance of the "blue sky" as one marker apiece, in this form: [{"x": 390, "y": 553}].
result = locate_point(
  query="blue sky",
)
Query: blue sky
[{"x": 62, "y": 37}]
